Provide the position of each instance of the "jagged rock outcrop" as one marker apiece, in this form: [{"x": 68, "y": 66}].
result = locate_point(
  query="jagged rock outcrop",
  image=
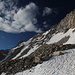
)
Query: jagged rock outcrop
[{"x": 67, "y": 23}]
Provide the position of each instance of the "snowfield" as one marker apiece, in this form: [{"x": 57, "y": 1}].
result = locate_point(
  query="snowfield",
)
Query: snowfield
[{"x": 57, "y": 65}]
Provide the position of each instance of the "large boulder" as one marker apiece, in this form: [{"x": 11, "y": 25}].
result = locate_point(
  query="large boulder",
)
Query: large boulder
[{"x": 57, "y": 53}]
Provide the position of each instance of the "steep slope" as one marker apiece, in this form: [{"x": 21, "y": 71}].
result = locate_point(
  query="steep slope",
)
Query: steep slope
[
  {"x": 40, "y": 48},
  {"x": 57, "y": 65}
]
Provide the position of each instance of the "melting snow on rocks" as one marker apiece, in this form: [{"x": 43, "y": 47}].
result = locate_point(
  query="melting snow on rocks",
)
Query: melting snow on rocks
[
  {"x": 57, "y": 65},
  {"x": 57, "y": 37}
]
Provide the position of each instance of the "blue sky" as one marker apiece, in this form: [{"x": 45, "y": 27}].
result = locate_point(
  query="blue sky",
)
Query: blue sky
[{"x": 22, "y": 19}]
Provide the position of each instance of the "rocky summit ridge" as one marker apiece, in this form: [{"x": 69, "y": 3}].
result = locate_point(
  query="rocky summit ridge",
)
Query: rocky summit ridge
[{"x": 40, "y": 47}]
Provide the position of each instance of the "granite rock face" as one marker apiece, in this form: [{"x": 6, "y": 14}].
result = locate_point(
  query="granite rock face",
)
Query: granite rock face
[{"x": 67, "y": 23}]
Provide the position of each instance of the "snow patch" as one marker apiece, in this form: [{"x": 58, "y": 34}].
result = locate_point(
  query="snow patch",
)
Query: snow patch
[
  {"x": 71, "y": 39},
  {"x": 20, "y": 53},
  {"x": 26, "y": 45},
  {"x": 3, "y": 74},
  {"x": 31, "y": 51},
  {"x": 46, "y": 32},
  {"x": 57, "y": 37}
]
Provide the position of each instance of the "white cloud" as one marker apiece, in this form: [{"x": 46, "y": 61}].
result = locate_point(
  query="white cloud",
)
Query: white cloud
[
  {"x": 16, "y": 20},
  {"x": 47, "y": 11},
  {"x": 44, "y": 22},
  {"x": 1, "y": 5}
]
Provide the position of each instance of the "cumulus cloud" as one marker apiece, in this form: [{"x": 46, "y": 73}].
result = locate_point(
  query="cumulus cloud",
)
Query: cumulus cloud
[
  {"x": 1, "y": 5},
  {"x": 14, "y": 20},
  {"x": 47, "y": 11}
]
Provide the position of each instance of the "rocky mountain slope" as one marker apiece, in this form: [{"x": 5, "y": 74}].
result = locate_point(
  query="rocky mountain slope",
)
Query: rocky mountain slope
[
  {"x": 57, "y": 65},
  {"x": 40, "y": 48}
]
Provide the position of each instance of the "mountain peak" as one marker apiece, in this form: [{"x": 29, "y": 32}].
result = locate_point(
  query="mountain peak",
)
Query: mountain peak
[{"x": 67, "y": 23}]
